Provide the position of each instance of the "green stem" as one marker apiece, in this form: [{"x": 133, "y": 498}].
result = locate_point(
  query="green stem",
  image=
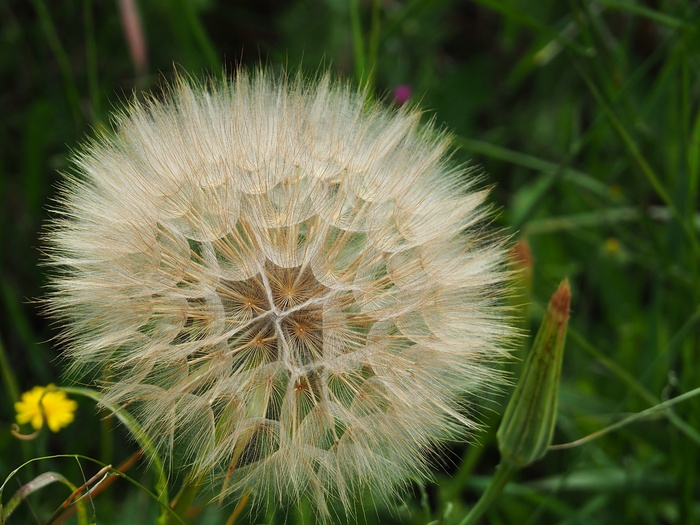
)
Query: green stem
[
  {"x": 579, "y": 178},
  {"x": 524, "y": 18},
  {"x": 148, "y": 447},
  {"x": 200, "y": 34},
  {"x": 635, "y": 385},
  {"x": 630, "y": 419},
  {"x": 62, "y": 60},
  {"x": 185, "y": 497},
  {"x": 11, "y": 389},
  {"x": 636, "y": 153},
  {"x": 11, "y": 386},
  {"x": 91, "y": 62},
  {"x": 357, "y": 41},
  {"x": 373, "y": 45},
  {"x": 504, "y": 473}
]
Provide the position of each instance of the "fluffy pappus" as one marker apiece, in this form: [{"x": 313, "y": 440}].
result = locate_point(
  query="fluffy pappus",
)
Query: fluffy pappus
[{"x": 291, "y": 287}]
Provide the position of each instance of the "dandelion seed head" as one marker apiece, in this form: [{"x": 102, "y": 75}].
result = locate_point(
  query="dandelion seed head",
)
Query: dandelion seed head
[{"x": 292, "y": 287}]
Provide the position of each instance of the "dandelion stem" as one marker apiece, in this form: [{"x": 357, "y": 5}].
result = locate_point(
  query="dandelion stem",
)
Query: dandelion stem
[
  {"x": 504, "y": 473},
  {"x": 239, "y": 509},
  {"x": 183, "y": 501}
]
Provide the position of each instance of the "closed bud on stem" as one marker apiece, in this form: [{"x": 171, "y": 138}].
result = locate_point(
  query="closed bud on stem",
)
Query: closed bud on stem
[
  {"x": 528, "y": 424},
  {"x": 521, "y": 260}
]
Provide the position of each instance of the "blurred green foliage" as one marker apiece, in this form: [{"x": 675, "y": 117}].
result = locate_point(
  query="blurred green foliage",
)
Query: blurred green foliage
[{"x": 585, "y": 115}]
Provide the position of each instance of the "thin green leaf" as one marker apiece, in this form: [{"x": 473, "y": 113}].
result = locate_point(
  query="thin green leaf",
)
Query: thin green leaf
[
  {"x": 141, "y": 438},
  {"x": 644, "y": 414},
  {"x": 35, "y": 485}
]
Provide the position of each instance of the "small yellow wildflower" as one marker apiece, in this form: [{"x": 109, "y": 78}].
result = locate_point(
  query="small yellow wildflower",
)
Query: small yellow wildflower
[
  {"x": 58, "y": 409},
  {"x": 612, "y": 246}
]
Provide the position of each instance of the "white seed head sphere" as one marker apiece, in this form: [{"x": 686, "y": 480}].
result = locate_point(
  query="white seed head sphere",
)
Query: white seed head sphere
[{"x": 290, "y": 286}]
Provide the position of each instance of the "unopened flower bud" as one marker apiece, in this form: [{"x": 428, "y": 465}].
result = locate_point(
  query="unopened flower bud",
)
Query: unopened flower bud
[{"x": 528, "y": 424}]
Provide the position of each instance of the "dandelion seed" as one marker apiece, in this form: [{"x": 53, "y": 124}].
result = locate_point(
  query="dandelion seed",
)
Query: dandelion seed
[
  {"x": 58, "y": 410},
  {"x": 291, "y": 286}
]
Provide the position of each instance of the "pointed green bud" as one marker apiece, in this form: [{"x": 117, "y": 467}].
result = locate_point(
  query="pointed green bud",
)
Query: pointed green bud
[{"x": 528, "y": 423}]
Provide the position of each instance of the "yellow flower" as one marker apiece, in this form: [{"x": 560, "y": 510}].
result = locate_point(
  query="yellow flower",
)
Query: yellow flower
[
  {"x": 612, "y": 246},
  {"x": 58, "y": 409}
]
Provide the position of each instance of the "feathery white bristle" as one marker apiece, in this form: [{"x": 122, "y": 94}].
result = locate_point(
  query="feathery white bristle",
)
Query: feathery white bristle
[{"x": 291, "y": 286}]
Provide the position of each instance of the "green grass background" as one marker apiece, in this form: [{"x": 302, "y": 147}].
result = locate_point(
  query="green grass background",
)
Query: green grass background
[{"x": 586, "y": 117}]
